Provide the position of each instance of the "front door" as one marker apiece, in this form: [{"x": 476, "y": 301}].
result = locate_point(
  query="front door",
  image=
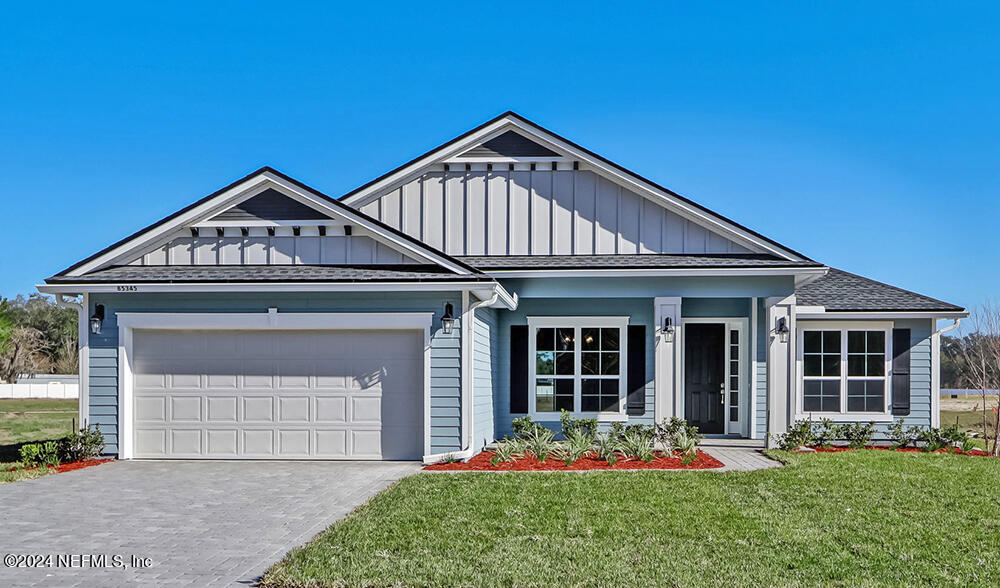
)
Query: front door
[{"x": 704, "y": 374}]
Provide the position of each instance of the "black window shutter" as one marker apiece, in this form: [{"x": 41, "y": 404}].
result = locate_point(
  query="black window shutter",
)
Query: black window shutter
[
  {"x": 519, "y": 369},
  {"x": 901, "y": 372},
  {"x": 636, "y": 379}
]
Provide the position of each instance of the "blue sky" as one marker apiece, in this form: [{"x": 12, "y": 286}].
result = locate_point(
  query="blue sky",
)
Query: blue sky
[{"x": 864, "y": 135}]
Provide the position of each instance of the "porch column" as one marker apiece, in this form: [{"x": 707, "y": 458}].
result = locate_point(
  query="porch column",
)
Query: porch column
[
  {"x": 780, "y": 367},
  {"x": 667, "y": 374}
]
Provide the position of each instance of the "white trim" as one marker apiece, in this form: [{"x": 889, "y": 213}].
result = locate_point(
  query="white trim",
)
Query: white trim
[
  {"x": 271, "y": 320},
  {"x": 466, "y": 325},
  {"x": 810, "y": 314},
  {"x": 843, "y": 378},
  {"x": 710, "y": 220},
  {"x": 578, "y": 323},
  {"x": 729, "y": 323},
  {"x": 245, "y": 190},
  {"x": 753, "y": 368},
  {"x": 667, "y": 375},
  {"x": 612, "y": 273},
  {"x": 936, "y": 379}
]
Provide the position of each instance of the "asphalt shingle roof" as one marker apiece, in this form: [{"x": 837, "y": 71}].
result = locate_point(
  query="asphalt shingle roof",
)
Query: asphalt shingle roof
[
  {"x": 649, "y": 261},
  {"x": 842, "y": 291},
  {"x": 270, "y": 273}
]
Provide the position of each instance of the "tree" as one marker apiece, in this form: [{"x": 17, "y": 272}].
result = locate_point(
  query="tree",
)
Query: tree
[
  {"x": 23, "y": 353},
  {"x": 978, "y": 363},
  {"x": 37, "y": 336}
]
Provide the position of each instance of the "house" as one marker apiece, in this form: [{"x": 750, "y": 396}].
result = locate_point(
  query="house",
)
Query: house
[{"x": 507, "y": 272}]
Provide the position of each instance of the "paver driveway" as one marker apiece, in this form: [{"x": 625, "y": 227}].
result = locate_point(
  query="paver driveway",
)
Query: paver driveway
[{"x": 205, "y": 523}]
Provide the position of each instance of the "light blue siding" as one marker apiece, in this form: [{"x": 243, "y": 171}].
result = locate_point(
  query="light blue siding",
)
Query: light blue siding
[
  {"x": 920, "y": 371},
  {"x": 715, "y": 307},
  {"x": 484, "y": 376},
  {"x": 446, "y": 373},
  {"x": 761, "y": 375},
  {"x": 688, "y": 287}
]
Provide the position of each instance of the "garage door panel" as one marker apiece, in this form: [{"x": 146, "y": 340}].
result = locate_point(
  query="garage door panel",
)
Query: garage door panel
[
  {"x": 222, "y": 408},
  {"x": 150, "y": 409},
  {"x": 266, "y": 394},
  {"x": 331, "y": 409},
  {"x": 293, "y": 409},
  {"x": 259, "y": 409},
  {"x": 258, "y": 442},
  {"x": 222, "y": 442}
]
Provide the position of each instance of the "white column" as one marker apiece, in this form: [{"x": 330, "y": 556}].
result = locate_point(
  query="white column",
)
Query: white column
[
  {"x": 667, "y": 373},
  {"x": 780, "y": 367}
]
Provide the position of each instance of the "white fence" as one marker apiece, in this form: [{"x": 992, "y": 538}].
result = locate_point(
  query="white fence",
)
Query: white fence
[{"x": 47, "y": 390}]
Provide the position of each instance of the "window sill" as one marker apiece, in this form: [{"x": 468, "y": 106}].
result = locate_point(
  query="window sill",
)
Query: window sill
[{"x": 845, "y": 417}]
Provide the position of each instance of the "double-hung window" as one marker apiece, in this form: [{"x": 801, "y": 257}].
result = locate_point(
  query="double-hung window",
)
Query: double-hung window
[
  {"x": 577, "y": 364},
  {"x": 844, "y": 368}
]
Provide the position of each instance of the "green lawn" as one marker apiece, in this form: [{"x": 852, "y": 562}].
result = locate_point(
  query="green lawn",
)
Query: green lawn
[
  {"x": 858, "y": 518},
  {"x": 26, "y": 420}
]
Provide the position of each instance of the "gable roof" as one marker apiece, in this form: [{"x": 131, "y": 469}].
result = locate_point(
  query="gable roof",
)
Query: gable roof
[
  {"x": 181, "y": 274},
  {"x": 840, "y": 291},
  {"x": 500, "y": 125},
  {"x": 207, "y": 207}
]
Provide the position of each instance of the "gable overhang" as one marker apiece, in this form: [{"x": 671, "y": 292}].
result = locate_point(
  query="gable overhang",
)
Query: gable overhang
[
  {"x": 498, "y": 296},
  {"x": 199, "y": 213},
  {"x": 449, "y": 152}
]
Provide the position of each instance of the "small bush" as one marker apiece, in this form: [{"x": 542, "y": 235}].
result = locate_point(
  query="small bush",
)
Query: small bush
[
  {"x": 903, "y": 437},
  {"x": 638, "y": 444},
  {"x": 587, "y": 427},
  {"x": 669, "y": 432},
  {"x": 578, "y": 444},
  {"x": 85, "y": 444},
  {"x": 507, "y": 451},
  {"x": 606, "y": 445},
  {"x": 540, "y": 443},
  {"x": 524, "y": 427},
  {"x": 955, "y": 435},
  {"x": 824, "y": 433},
  {"x": 858, "y": 435},
  {"x": 687, "y": 447},
  {"x": 45, "y": 453},
  {"x": 933, "y": 439},
  {"x": 798, "y": 435}
]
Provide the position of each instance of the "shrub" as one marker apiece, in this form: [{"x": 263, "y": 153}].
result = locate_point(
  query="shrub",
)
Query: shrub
[
  {"x": 45, "y": 453},
  {"x": 639, "y": 445},
  {"x": 82, "y": 445},
  {"x": 824, "y": 433},
  {"x": 933, "y": 439},
  {"x": 955, "y": 435},
  {"x": 687, "y": 447},
  {"x": 903, "y": 437},
  {"x": 669, "y": 432},
  {"x": 798, "y": 435},
  {"x": 606, "y": 445},
  {"x": 524, "y": 427},
  {"x": 507, "y": 450},
  {"x": 858, "y": 435},
  {"x": 587, "y": 427},
  {"x": 578, "y": 444},
  {"x": 540, "y": 443}
]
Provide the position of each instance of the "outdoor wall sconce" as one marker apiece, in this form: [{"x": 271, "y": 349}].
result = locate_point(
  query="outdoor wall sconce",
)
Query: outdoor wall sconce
[
  {"x": 668, "y": 329},
  {"x": 782, "y": 330},
  {"x": 96, "y": 319},
  {"x": 447, "y": 319}
]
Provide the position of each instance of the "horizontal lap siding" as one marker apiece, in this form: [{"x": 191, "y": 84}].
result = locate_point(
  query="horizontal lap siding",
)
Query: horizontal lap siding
[
  {"x": 445, "y": 349},
  {"x": 484, "y": 376},
  {"x": 920, "y": 371},
  {"x": 761, "y": 375}
]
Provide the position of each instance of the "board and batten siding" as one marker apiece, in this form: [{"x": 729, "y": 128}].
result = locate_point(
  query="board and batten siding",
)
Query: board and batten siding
[
  {"x": 484, "y": 376},
  {"x": 283, "y": 248},
  {"x": 537, "y": 212},
  {"x": 446, "y": 373}
]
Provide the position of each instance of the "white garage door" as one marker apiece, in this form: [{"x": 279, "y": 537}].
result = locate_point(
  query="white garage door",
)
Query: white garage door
[{"x": 278, "y": 394}]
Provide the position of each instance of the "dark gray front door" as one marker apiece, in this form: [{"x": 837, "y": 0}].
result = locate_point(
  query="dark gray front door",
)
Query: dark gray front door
[{"x": 704, "y": 371}]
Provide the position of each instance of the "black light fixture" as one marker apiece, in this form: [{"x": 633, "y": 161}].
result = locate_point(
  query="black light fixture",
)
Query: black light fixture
[
  {"x": 448, "y": 319},
  {"x": 668, "y": 329},
  {"x": 782, "y": 329},
  {"x": 96, "y": 319}
]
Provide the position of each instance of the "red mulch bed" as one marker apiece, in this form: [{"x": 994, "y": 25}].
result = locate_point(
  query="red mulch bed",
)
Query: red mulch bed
[
  {"x": 481, "y": 463},
  {"x": 69, "y": 467},
  {"x": 955, "y": 451}
]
